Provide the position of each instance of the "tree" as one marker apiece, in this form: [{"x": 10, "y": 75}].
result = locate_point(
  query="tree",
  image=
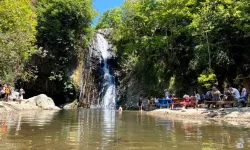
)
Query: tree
[
  {"x": 110, "y": 19},
  {"x": 17, "y": 37},
  {"x": 177, "y": 41},
  {"x": 63, "y": 25},
  {"x": 221, "y": 27},
  {"x": 155, "y": 43}
]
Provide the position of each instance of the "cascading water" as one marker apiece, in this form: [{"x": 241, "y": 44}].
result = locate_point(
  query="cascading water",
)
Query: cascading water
[{"x": 108, "y": 92}]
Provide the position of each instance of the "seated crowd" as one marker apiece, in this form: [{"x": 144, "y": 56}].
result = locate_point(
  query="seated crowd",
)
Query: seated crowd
[
  {"x": 229, "y": 94},
  {"x": 8, "y": 93},
  {"x": 213, "y": 95}
]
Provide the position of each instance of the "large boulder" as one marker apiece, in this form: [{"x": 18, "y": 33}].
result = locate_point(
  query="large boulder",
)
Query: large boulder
[
  {"x": 42, "y": 101},
  {"x": 72, "y": 105}
]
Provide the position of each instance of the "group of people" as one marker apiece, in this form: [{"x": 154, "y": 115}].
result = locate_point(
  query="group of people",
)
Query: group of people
[
  {"x": 212, "y": 95},
  {"x": 155, "y": 100},
  {"x": 231, "y": 92},
  {"x": 7, "y": 93}
]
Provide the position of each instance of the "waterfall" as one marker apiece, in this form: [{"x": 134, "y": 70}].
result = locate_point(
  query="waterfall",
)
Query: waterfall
[{"x": 108, "y": 92}]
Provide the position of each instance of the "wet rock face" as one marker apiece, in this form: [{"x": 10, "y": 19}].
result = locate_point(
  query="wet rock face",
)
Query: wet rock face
[
  {"x": 93, "y": 55},
  {"x": 92, "y": 69},
  {"x": 129, "y": 92}
]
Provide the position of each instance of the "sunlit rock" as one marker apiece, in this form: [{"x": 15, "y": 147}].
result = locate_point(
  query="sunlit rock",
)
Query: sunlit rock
[{"x": 42, "y": 101}]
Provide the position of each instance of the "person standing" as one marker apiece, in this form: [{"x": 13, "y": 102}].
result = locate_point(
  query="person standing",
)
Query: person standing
[
  {"x": 7, "y": 92},
  {"x": 156, "y": 101},
  {"x": 140, "y": 103},
  {"x": 166, "y": 93},
  {"x": 3, "y": 91},
  {"x": 149, "y": 103},
  {"x": 171, "y": 102},
  {"x": 21, "y": 93}
]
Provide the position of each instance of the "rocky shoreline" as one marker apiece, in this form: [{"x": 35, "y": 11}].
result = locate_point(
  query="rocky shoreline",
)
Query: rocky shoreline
[
  {"x": 233, "y": 115},
  {"x": 40, "y": 102}
]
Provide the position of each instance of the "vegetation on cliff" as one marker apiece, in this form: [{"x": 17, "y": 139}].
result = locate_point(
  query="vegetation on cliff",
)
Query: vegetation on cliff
[
  {"x": 181, "y": 41},
  {"x": 63, "y": 26},
  {"x": 43, "y": 40},
  {"x": 17, "y": 37}
]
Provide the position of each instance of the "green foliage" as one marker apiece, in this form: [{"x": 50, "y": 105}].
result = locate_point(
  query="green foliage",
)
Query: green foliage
[
  {"x": 172, "y": 85},
  {"x": 156, "y": 35},
  {"x": 110, "y": 19},
  {"x": 62, "y": 33},
  {"x": 160, "y": 39},
  {"x": 17, "y": 37},
  {"x": 207, "y": 79}
]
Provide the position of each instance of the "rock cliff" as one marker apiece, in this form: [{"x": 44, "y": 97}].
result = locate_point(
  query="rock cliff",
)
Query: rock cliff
[{"x": 92, "y": 72}]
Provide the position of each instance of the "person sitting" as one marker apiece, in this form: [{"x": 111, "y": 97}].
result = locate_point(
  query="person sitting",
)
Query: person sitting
[
  {"x": 197, "y": 98},
  {"x": 186, "y": 96},
  {"x": 215, "y": 94},
  {"x": 235, "y": 93},
  {"x": 244, "y": 94},
  {"x": 208, "y": 96},
  {"x": 243, "y": 97}
]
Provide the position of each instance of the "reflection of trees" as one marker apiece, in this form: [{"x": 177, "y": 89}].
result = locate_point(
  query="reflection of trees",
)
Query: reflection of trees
[
  {"x": 202, "y": 135},
  {"x": 96, "y": 129}
]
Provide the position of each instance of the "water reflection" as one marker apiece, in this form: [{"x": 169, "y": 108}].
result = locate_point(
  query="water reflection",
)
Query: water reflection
[
  {"x": 104, "y": 129},
  {"x": 207, "y": 135}
]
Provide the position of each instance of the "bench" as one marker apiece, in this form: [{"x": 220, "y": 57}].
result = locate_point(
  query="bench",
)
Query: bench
[
  {"x": 230, "y": 101},
  {"x": 221, "y": 104},
  {"x": 210, "y": 103},
  {"x": 177, "y": 101}
]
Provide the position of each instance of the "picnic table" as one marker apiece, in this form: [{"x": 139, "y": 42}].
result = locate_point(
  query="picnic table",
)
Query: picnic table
[
  {"x": 177, "y": 101},
  {"x": 228, "y": 101},
  {"x": 164, "y": 102},
  {"x": 189, "y": 102}
]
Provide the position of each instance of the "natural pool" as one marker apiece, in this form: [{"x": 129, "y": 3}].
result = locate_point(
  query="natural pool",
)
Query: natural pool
[{"x": 109, "y": 130}]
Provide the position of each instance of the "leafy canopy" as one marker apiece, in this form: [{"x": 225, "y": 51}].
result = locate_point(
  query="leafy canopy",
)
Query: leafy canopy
[{"x": 17, "y": 37}]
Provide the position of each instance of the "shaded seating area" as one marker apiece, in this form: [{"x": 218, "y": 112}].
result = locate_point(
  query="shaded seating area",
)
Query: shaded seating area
[{"x": 164, "y": 102}]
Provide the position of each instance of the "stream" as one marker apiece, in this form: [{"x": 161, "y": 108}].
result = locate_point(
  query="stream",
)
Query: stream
[{"x": 91, "y": 129}]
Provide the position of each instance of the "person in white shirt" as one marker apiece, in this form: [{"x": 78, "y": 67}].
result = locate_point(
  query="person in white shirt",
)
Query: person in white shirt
[
  {"x": 235, "y": 92},
  {"x": 21, "y": 93}
]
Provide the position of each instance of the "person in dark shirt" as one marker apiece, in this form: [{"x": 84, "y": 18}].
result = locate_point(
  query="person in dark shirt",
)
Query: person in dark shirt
[{"x": 140, "y": 103}]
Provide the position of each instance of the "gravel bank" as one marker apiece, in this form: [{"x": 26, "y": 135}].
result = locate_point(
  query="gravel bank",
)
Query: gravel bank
[{"x": 233, "y": 115}]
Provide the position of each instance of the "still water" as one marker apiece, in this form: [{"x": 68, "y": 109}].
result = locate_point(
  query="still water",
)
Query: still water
[{"x": 109, "y": 130}]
